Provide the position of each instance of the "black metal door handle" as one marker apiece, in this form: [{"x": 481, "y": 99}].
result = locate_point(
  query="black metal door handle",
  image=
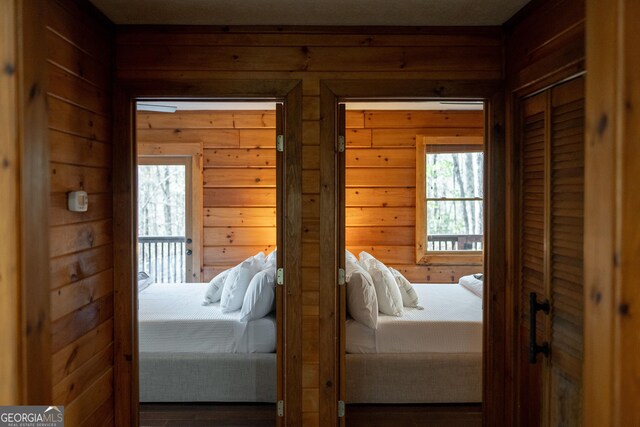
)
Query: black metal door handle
[{"x": 534, "y": 307}]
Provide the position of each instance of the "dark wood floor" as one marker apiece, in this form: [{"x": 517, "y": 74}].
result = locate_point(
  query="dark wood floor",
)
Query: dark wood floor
[
  {"x": 446, "y": 415},
  {"x": 264, "y": 415},
  {"x": 207, "y": 414}
]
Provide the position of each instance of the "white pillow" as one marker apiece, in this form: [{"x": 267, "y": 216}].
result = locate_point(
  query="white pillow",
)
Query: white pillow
[
  {"x": 362, "y": 303},
  {"x": 260, "y": 297},
  {"x": 350, "y": 257},
  {"x": 237, "y": 282},
  {"x": 409, "y": 295},
  {"x": 472, "y": 284},
  {"x": 214, "y": 290},
  {"x": 387, "y": 290},
  {"x": 270, "y": 260}
]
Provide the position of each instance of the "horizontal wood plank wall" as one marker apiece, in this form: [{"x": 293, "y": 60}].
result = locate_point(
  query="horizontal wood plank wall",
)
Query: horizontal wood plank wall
[
  {"x": 239, "y": 159},
  {"x": 79, "y": 43},
  {"x": 544, "y": 45},
  {"x": 189, "y": 54},
  {"x": 381, "y": 185}
]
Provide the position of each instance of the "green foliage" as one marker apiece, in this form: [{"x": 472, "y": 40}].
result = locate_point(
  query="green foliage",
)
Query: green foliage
[{"x": 451, "y": 176}]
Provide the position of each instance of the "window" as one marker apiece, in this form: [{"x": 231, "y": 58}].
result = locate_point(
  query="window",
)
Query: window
[{"x": 449, "y": 204}]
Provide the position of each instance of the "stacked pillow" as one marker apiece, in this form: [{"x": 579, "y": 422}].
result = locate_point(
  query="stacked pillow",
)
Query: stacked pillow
[
  {"x": 372, "y": 287},
  {"x": 362, "y": 302},
  {"x": 249, "y": 287},
  {"x": 387, "y": 290}
]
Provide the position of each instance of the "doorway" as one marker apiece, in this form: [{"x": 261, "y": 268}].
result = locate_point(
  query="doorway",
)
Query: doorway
[
  {"x": 413, "y": 219},
  {"x": 286, "y": 95},
  {"x": 333, "y": 161}
]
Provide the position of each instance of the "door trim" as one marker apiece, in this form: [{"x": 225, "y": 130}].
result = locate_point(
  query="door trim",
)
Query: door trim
[
  {"x": 496, "y": 363},
  {"x": 126, "y": 93}
]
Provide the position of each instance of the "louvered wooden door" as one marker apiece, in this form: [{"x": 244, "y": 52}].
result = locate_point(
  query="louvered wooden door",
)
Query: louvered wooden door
[{"x": 550, "y": 257}]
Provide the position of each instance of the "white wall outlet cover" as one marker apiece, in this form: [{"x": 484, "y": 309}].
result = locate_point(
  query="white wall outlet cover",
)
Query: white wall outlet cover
[{"x": 77, "y": 201}]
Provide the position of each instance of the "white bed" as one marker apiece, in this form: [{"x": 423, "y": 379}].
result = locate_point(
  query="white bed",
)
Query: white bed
[
  {"x": 189, "y": 352},
  {"x": 171, "y": 318},
  {"x": 426, "y": 356}
]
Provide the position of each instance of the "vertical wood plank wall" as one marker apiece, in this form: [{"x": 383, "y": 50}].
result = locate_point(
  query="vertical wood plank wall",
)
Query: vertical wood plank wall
[
  {"x": 79, "y": 45},
  {"x": 10, "y": 386},
  {"x": 184, "y": 54},
  {"x": 239, "y": 158},
  {"x": 612, "y": 240},
  {"x": 381, "y": 184}
]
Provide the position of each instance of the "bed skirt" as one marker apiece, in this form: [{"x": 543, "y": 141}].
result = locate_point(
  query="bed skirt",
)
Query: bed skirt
[
  {"x": 414, "y": 378},
  {"x": 213, "y": 377}
]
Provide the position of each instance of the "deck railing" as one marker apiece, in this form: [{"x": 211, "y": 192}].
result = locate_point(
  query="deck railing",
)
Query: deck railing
[
  {"x": 454, "y": 242},
  {"x": 162, "y": 258}
]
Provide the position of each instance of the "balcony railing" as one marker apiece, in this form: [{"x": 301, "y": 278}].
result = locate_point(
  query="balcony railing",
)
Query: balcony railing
[
  {"x": 454, "y": 242},
  {"x": 163, "y": 258}
]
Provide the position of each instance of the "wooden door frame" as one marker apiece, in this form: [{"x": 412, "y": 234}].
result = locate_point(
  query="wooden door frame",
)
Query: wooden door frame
[
  {"x": 126, "y": 92},
  {"x": 496, "y": 309}
]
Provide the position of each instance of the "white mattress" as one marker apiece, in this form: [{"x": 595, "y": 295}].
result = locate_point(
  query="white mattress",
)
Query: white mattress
[
  {"x": 171, "y": 318},
  {"x": 451, "y": 322}
]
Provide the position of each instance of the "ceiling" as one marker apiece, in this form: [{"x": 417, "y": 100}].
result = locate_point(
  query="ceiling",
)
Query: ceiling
[{"x": 311, "y": 12}]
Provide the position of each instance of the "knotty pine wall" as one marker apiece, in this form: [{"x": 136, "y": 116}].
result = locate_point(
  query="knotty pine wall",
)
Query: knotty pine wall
[
  {"x": 239, "y": 177},
  {"x": 80, "y": 54},
  {"x": 182, "y": 54},
  {"x": 239, "y": 180},
  {"x": 381, "y": 185}
]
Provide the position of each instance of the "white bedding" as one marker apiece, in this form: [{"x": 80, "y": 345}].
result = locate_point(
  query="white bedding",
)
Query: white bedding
[
  {"x": 171, "y": 318},
  {"x": 451, "y": 322}
]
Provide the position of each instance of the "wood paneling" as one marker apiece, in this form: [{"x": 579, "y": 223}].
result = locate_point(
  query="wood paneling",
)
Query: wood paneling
[
  {"x": 381, "y": 183},
  {"x": 544, "y": 46},
  {"x": 612, "y": 234},
  {"x": 239, "y": 176},
  {"x": 545, "y": 43},
  {"x": 195, "y": 56},
  {"x": 10, "y": 386},
  {"x": 81, "y": 267},
  {"x": 33, "y": 181}
]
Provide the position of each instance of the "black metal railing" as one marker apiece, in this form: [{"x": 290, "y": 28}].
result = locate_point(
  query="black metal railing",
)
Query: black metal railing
[
  {"x": 163, "y": 258},
  {"x": 454, "y": 242}
]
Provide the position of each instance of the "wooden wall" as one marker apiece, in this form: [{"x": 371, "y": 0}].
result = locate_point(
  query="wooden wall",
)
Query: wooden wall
[
  {"x": 239, "y": 177},
  {"x": 184, "y": 55},
  {"x": 381, "y": 184},
  {"x": 10, "y": 386},
  {"x": 79, "y": 46},
  {"x": 239, "y": 180},
  {"x": 612, "y": 200},
  {"x": 544, "y": 45}
]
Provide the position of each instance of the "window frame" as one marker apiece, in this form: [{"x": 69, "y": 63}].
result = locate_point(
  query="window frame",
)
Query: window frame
[{"x": 423, "y": 255}]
